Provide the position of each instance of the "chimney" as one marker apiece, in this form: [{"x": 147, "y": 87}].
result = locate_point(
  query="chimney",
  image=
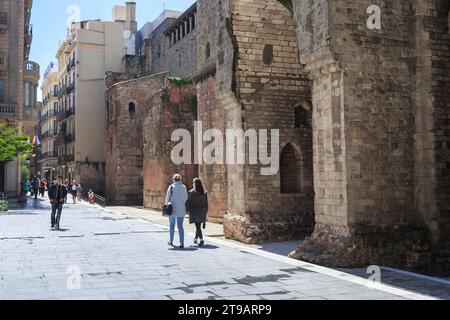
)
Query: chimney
[{"x": 131, "y": 24}]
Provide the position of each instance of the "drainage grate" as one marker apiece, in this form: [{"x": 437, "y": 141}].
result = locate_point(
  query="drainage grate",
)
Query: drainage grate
[
  {"x": 99, "y": 274},
  {"x": 22, "y": 238},
  {"x": 69, "y": 237}
]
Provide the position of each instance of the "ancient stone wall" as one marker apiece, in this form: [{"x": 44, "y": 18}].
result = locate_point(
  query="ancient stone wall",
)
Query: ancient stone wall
[
  {"x": 157, "y": 46},
  {"x": 363, "y": 101},
  {"x": 171, "y": 108},
  {"x": 124, "y": 154},
  {"x": 210, "y": 111},
  {"x": 433, "y": 68},
  {"x": 270, "y": 85},
  {"x": 92, "y": 175}
]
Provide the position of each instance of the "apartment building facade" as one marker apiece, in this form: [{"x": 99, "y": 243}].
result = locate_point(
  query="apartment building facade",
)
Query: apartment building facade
[
  {"x": 48, "y": 159},
  {"x": 18, "y": 80},
  {"x": 90, "y": 49}
]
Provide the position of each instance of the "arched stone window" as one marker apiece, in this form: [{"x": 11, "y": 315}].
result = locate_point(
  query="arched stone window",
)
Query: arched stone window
[
  {"x": 208, "y": 50},
  {"x": 303, "y": 116},
  {"x": 132, "y": 108},
  {"x": 290, "y": 170},
  {"x": 268, "y": 54}
]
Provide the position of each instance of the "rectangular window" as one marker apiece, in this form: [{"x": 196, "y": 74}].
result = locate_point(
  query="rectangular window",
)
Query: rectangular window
[
  {"x": 28, "y": 94},
  {"x": 2, "y": 91},
  {"x": 3, "y": 18}
]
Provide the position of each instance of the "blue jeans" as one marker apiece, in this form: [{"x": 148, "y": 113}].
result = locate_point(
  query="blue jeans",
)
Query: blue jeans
[{"x": 179, "y": 222}]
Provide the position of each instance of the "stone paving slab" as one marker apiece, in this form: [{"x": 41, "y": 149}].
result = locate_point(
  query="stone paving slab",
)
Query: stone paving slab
[{"x": 126, "y": 258}]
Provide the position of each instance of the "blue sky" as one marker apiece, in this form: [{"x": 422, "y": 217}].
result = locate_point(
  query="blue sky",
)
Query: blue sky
[{"x": 49, "y": 20}]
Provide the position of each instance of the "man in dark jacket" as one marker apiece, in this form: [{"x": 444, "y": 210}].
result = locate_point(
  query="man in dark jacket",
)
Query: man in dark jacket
[{"x": 57, "y": 193}]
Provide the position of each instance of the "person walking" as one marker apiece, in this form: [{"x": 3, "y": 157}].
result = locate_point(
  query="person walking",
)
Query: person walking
[
  {"x": 197, "y": 208},
  {"x": 91, "y": 196},
  {"x": 35, "y": 186},
  {"x": 79, "y": 189},
  {"x": 43, "y": 186},
  {"x": 26, "y": 186},
  {"x": 177, "y": 196},
  {"x": 57, "y": 193},
  {"x": 73, "y": 191},
  {"x": 66, "y": 184}
]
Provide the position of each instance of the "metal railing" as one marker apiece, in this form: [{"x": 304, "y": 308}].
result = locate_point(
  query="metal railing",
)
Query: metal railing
[
  {"x": 101, "y": 201},
  {"x": 7, "y": 110}
]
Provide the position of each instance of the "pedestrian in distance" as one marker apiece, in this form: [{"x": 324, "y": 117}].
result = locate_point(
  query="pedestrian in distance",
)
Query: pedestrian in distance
[
  {"x": 35, "y": 185},
  {"x": 79, "y": 190},
  {"x": 91, "y": 196},
  {"x": 43, "y": 186},
  {"x": 57, "y": 193},
  {"x": 197, "y": 208},
  {"x": 26, "y": 186},
  {"x": 73, "y": 191},
  {"x": 66, "y": 184},
  {"x": 176, "y": 197}
]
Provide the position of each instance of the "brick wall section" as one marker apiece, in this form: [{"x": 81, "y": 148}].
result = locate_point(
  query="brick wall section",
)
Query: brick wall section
[
  {"x": 269, "y": 91},
  {"x": 157, "y": 46},
  {"x": 437, "y": 45},
  {"x": 210, "y": 111},
  {"x": 367, "y": 93},
  {"x": 170, "y": 108},
  {"x": 124, "y": 154},
  {"x": 182, "y": 56}
]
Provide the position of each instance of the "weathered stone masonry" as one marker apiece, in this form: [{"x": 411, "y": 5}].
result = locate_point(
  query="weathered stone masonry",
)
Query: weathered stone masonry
[{"x": 364, "y": 122}]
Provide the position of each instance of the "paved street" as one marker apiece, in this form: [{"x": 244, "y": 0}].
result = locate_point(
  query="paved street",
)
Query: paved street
[{"x": 127, "y": 258}]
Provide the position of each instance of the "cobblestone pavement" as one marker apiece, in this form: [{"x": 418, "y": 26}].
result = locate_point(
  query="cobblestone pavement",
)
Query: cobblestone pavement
[{"x": 119, "y": 257}]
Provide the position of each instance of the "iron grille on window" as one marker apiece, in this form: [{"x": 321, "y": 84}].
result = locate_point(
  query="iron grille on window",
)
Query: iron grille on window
[{"x": 3, "y": 18}]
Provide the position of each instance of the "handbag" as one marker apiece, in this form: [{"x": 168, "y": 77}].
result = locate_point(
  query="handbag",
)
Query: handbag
[{"x": 168, "y": 208}]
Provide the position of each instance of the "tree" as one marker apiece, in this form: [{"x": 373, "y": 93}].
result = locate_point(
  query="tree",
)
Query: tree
[{"x": 12, "y": 144}]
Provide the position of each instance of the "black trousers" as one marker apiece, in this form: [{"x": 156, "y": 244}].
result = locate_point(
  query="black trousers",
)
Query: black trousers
[{"x": 198, "y": 233}]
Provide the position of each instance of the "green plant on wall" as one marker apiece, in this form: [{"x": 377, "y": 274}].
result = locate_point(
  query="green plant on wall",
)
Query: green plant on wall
[
  {"x": 25, "y": 172},
  {"x": 180, "y": 82},
  {"x": 4, "y": 206},
  {"x": 288, "y": 4}
]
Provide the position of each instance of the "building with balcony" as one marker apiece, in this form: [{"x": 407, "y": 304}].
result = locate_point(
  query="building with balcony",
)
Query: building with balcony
[
  {"x": 91, "y": 49},
  {"x": 48, "y": 128},
  {"x": 18, "y": 80}
]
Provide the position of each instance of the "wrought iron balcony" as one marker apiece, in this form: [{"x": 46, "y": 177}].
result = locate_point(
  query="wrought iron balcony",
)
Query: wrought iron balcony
[
  {"x": 70, "y": 112},
  {"x": 48, "y": 155},
  {"x": 61, "y": 115},
  {"x": 71, "y": 87},
  {"x": 32, "y": 68},
  {"x": 70, "y": 138},
  {"x": 7, "y": 110}
]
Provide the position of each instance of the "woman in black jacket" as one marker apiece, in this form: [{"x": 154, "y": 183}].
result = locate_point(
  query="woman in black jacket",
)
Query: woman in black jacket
[{"x": 197, "y": 206}]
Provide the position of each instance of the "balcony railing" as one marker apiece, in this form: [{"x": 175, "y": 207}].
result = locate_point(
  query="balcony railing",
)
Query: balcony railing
[
  {"x": 47, "y": 155},
  {"x": 62, "y": 160},
  {"x": 70, "y": 158},
  {"x": 70, "y": 112},
  {"x": 70, "y": 138},
  {"x": 32, "y": 68},
  {"x": 7, "y": 110},
  {"x": 61, "y": 115},
  {"x": 71, "y": 87}
]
